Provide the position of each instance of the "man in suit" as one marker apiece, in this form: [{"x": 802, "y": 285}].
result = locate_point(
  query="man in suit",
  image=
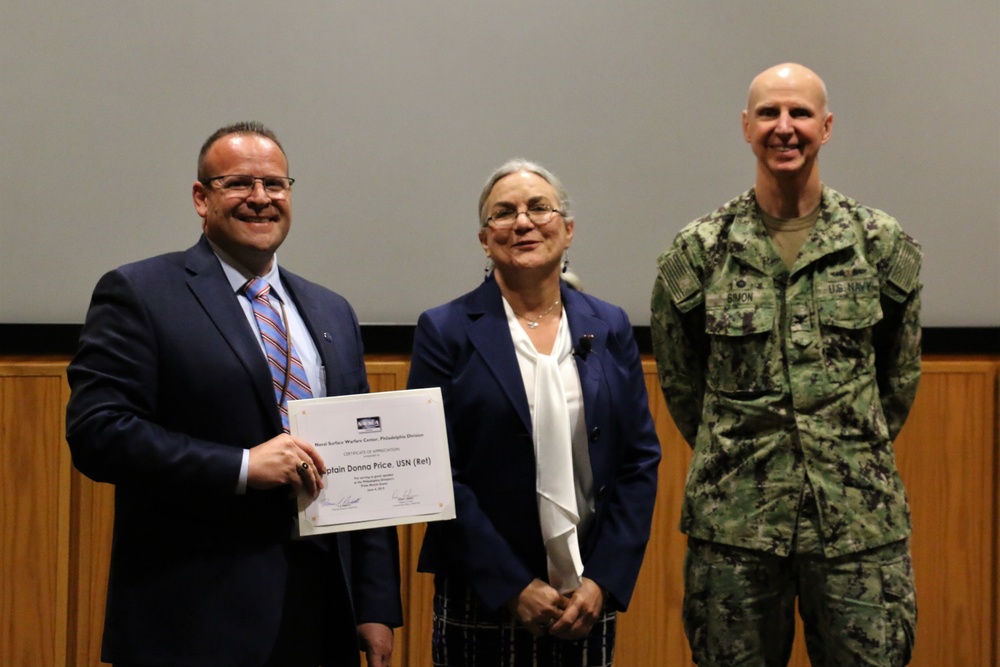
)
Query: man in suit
[{"x": 174, "y": 402}]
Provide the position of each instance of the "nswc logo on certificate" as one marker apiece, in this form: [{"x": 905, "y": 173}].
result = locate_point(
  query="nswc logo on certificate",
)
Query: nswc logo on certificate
[{"x": 369, "y": 424}]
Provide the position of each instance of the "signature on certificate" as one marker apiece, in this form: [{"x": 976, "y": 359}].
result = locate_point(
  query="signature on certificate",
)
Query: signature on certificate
[
  {"x": 345, "y": 502},
  {"x": 404, "y": 496}
]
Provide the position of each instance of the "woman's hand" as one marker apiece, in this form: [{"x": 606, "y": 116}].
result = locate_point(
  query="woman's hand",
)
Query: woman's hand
[
  {"x": 538, "y": 606},
  {"x": 582, "y": 609}
]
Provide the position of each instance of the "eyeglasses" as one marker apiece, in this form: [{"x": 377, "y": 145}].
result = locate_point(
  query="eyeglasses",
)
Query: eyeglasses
[
  {"x": 243, "y": 184},
  {"x": 539, "y": 214}
]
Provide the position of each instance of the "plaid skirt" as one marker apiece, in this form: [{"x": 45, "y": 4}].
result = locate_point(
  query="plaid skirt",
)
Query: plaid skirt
[{"x": 466, "y": 634}]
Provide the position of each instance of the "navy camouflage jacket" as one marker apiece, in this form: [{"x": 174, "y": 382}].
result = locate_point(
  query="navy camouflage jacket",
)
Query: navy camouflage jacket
[{"x": 778, "y": 376}]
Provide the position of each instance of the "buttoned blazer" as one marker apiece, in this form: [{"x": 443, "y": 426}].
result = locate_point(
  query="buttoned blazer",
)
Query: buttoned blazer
[
  {"x": 169, "y": 386},
  {"x": 495, "y": 543}
]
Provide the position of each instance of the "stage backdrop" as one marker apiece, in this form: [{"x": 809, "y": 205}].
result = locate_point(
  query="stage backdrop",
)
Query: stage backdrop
[{"x": 393, "y": 114}]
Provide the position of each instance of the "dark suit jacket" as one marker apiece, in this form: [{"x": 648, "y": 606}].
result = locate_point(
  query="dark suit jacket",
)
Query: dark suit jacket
[
  {"x": 169, "y": 386},
  {"x": 495, "y": 543}
]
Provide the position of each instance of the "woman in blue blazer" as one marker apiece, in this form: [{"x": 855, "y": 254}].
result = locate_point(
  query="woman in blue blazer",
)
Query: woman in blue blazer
[{"x": 553, "y": 451}]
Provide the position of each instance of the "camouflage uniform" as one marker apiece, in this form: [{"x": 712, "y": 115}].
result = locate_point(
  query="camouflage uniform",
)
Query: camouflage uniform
[{"x": 791, "y": 385}]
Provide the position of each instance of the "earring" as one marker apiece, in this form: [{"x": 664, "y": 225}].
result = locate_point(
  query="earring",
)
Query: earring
[
  {"x": 487, "y": 269},
  {"x": 565, "y": 266}
]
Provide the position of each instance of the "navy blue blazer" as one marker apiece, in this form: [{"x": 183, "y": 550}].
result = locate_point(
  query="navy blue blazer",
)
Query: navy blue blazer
[
  {"x": 169, "y": 386},
  {"x": 495, "y": 543}
]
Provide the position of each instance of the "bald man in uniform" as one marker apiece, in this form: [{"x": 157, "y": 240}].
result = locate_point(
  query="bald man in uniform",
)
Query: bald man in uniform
[{"x": 786, "y": 328}]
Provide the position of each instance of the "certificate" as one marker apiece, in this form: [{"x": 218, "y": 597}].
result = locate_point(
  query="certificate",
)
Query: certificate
[{"x": 386, "y": 457}]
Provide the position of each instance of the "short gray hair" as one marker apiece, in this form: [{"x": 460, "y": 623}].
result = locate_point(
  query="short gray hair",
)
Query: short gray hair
[{"x": 518, "y": 165}]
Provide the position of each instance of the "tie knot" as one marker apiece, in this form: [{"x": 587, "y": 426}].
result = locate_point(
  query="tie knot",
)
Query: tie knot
[{"x": 258, "y": 287}]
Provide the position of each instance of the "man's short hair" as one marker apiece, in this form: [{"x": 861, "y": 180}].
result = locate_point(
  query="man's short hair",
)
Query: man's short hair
[{"x": 243, "y": 127}]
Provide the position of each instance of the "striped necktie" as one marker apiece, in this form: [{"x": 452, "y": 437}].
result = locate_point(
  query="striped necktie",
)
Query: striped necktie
[{"x": 287, "y": 374}]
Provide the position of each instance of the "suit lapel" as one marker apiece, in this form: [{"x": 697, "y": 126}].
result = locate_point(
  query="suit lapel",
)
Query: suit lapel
[
  {"x": 316, "y": 317},
  {"x": 210, "y": 287},
  {"x": 490, "y": 335},
  {"x": 583, "y": 323}
]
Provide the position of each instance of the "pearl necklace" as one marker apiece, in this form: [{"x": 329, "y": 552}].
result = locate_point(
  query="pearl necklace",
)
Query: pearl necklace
[{"x": 534, "y": 322}]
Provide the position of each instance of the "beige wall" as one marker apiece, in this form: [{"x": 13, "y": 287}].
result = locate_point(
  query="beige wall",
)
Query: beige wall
[{"x": 56, "y": 527}]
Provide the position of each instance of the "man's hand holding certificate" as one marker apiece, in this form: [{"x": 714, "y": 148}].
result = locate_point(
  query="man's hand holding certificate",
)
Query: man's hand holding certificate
[{"x": 386, "y": 457}]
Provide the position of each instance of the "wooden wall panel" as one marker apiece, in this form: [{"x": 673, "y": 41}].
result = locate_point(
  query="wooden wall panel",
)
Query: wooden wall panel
[
  {"x": 56, "y": 528},
  {"x": 91, "y": 528},
  {"x": 412, "y": 644},
  {"x": 947, "y": 456},
  {"x": 389, "y": 374},
  {"x": 419, "y": 616},
  {"x": 34, "y": 515},
  {"x": 651, "y": 632}
]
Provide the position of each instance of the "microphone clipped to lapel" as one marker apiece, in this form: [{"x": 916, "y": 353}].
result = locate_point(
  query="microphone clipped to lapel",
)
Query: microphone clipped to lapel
[{"x": 583, "y": 346}]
